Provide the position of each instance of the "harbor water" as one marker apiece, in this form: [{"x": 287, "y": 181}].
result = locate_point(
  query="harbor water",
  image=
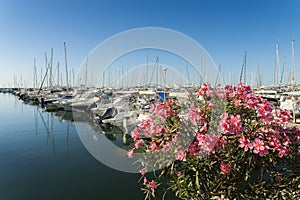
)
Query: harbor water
[{"x": 42, "y": 157}]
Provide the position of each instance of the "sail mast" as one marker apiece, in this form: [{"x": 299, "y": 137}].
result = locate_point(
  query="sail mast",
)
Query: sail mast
[
  {"x": 277, "y": 66},
  {"x": 293, "y": 63},
  {"x": 34, "y": 74},
  {"x": 243, "y": 72},
  {"x": 67, "y": 80},
  {"x": 245, "y": 67},
  {"x": 147, "y": 70},
  {"x": 51, "y": 69},
  {"x": 58, "y": 74},
  {"x": 86, "y": 73}
]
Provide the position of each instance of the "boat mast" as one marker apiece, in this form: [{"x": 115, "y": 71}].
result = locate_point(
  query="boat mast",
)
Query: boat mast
[
  {"x": 277, "y": 66},
  {"x": 86, "y": 73},
  {"x": 65, "y": 48},
  {"x": 293, "y": 64},
  {"x": 243, "y": 71},
  {"x": 58, "y": 74},
  {"x": 187, "y": 72},
  {"x": 46, "y": 65},
  {"x": 47, "y": 68},
  {"x": 259, "y": 81},
  {"x": 282, "y": 78},
  {"x": 34, "y": 74},
  {"x": 201, "y": 78},
  {"x": 51, "y": 69},
  {"x": 147, "y": 69},
  {"x": 156, "y": 72}
]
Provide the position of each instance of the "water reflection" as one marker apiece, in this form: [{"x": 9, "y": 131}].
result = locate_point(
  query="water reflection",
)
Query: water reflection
[
  {"x": 49, "y": 128},
  {"x": 119, "y": 136},
  {"x": 115, "y": 134},
  {"x": 29, "y": 167}
]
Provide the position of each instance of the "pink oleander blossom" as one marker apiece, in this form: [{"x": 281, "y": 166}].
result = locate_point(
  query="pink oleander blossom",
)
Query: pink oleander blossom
[
  {"x": 180, "y": 155},
  {"x": 152, "y": 185},
  {"x": 283, "y": 115},
  {"x": 207, "y": 143},
  {"x": 137, "y": 144},
  {"x": 205, "y": 90},
  {"x": 193, "y": 150},
  {"x": 222, "y": 197},
  {"x": 130, "y": 153},
  {"x": 245, "y": 143},
  {"x": 153, "y": 146},
  {"x": 259, "y": 147},
  {"x": 166, "y": 146},
  {"x": 196, "y": 115},
  {"x": 145, "y": 181},
  {"x": 283, "y": 151},
  {"x": 225, "y": 168},
  {"x": 230, "y": 124},
  {"x": 236, "y": 124},
  {"x": 143, "y": 171}
]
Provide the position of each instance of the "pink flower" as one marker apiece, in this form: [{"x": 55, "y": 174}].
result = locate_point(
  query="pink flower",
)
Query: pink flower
[
  {"x": 169, "y": 112},
  {"x": 283, "y": 151},
  {"x": 130, "y": 153},
  {"x": 192, "y": 150},
  {"x": 181, "y": 155},
  {"x": 267, "y": 119},
  {"x": 245, "y": 143},
  {"x": 145, "y": 181},
  {"x": 222, "y": 197},
  {"x": 166, "y": 146},
  {"x": 196, "y": 115},
  {"x": 260, "y": 147},
  {"x": 153, "y": 146},
  {"x": 237, "y": 102},
  {"x": 224, "y": 123},
  {"x": 204, "y": 90},
  {"x": 138, "y": 143},
  {"x": 135, "y": 134},
  {"x": 223, "y": 141},
  {"x": 143, "y": 172},
  {"x": 203, "y": 128},
  {"x": 236, "y": 124},
  {"x": 251, "y": 102},
  {"x": 152, "y": 185},
  {"x": 231, "y": 124},
  {"x": 146, "y": 123},
  {"x": 160, "y": 131},
  {"x": 225, "y": 168},
  {"x": 283, "y": 115}
]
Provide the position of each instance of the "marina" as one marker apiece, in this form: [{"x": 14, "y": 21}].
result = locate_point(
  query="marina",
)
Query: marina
[
  {"x": 117, "y": 100},
  {"x": 46, "y": 146}
]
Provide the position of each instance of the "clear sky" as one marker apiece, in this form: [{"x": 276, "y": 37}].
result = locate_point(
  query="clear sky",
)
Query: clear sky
[{"x": 225, "y": 28}]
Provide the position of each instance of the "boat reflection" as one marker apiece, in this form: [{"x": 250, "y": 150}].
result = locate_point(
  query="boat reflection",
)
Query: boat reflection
[
  {"x": 46, "y": 122},
  {"x": 115, "y": 134}
]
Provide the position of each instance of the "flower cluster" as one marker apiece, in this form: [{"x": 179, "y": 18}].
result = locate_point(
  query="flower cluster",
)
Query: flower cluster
[
  {"x": 228, "y": 145},
  {"x": 155, "y": 133}
]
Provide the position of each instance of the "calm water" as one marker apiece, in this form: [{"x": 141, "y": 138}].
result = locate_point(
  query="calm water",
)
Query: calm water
[{"x": 42, "y": 157}]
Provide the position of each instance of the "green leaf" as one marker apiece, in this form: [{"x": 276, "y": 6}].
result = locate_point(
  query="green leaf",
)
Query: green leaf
[{"x": 197, "y": 180}]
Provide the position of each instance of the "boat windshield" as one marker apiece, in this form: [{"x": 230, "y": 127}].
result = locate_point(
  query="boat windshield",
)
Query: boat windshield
[{"x": 88, "y": 95}]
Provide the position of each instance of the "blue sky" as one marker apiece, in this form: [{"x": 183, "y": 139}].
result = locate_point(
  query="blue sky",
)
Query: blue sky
[{"x": 225, "y": 28}]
